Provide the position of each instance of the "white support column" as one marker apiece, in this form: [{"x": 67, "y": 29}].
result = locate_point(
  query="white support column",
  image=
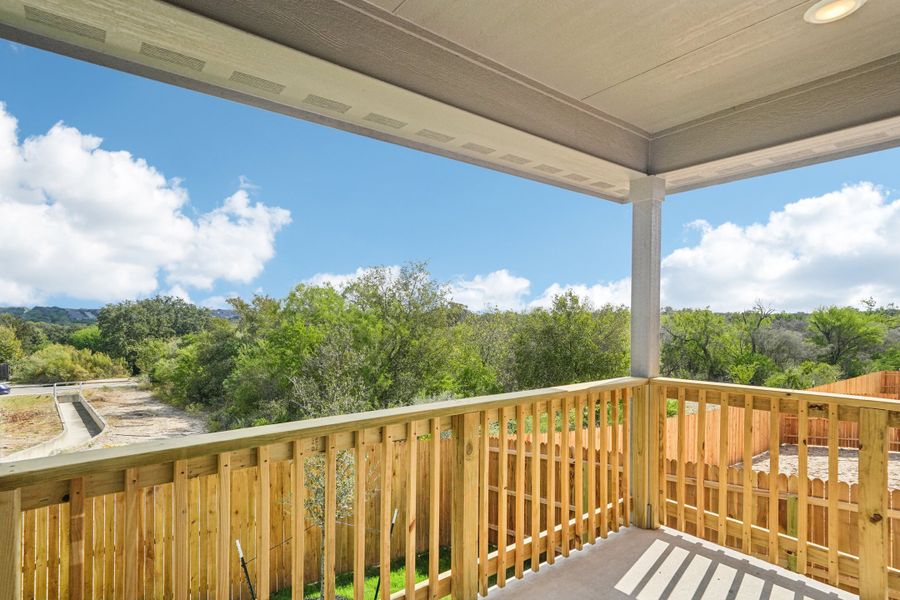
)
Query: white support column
[{"x": 646, "y": 195}]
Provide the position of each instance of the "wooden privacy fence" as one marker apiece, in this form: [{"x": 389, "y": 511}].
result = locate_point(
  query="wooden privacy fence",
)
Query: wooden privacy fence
[
  {"x": 159, "y": 520},
  {"x": 786, "y": 527},
  {"x": 882, "y": 384},
  {"x": 735, "y": 432}
]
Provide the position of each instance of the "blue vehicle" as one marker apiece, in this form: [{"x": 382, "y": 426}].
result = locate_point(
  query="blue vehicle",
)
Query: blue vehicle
[{"x": 4, "y": 389}]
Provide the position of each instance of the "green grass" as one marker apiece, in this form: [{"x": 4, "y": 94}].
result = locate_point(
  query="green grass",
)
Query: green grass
[{"x": 344, "y": 581}]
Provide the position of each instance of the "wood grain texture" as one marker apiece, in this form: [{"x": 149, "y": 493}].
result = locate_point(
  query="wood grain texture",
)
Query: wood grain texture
[
  {"x": 182, "y": 531},
  {"x": 10, "y": 545},
  {"x": 410, "y": 529},
  {"x": 298, "y": 520},
  {"x": 464, "y": 508},
  {"x": 224, "y": 542},
  {"x": 359, "y": 517},
  {"x": 873, "y": 524},
  {"x": 263, "y": 524}
]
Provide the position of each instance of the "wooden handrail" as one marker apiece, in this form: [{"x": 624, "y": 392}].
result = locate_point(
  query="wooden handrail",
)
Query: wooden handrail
[{"x": 67, "y": 466}]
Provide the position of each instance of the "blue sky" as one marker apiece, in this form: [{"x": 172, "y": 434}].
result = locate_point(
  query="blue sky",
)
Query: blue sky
[{"x": 356, "y": 202}]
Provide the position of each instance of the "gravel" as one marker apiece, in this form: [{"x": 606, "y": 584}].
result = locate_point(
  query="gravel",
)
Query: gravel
[{"x": 848, "y": 460}]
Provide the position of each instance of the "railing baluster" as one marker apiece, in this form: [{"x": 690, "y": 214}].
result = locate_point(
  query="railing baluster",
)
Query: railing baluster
[
  {"x": 502, "y": 484},
  {"x": 412, "y": 459},
  {"x": 579, "y": 472},
  {"x": 330, "y": 517},
  {"x": 520, "y": 491},
  {"x": 263, "y": 523},
  {"x": 661, "y": 461},
  {"x": 564, "y": 476},
  {"x": 700, "y": 469},
  {"x": 626, "y": 456},
  {"x": 387, "y": 474},
  {"x": 535, "y": 488},
  {"x": 132, "y": 524},
  {"x": 802, "y": 483},
  {"x": 592, "y": 467},
  {"x": 614, "y": 395},
  {"x": 551, "y": 481},
  {"x": 223, "y": 549},
  {"x": 434, "y": 511},
  {"x": 774, "y": 450},
  {"x": 872, "y": 519},
  {"x": 484, "y": 496},
  {"x": 746, "y": 475},
  {"x": 11, "y": 544},
  {"x": 359, "y": 515},
  {"x": 182, "y": 558},
  {"x": 722, "y": 479},
  {"x": 833, "y": 483},
  {"x": 464, "y": 509},
  {"x": 681, "y": 445},
  {"x": 604, "y": 465},
  {"x": 298, "y": 514}
]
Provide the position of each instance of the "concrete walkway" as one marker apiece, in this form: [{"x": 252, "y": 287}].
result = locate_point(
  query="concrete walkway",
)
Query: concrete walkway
[{"x": 652, "y": 565}]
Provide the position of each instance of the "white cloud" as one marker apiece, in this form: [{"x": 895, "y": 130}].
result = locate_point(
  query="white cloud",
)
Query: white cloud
[
  {"x": 94, "y": 224},
  {"x": 218, "y": 302},
  {"x": 616, "y": 293},
  {"x": 339, "y": 281},
  {"x": 499, "y": 289},
  {"x": 833, "y": 249}
]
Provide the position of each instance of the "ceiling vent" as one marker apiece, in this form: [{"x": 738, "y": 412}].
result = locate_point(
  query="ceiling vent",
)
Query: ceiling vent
[
  {"x": 170, "y": 56},
  {"x": 383, "y": 120},
  {"x": 64, "y": 23},
  {"x": 256, "y": 82},
  {"x": 577, "y": 177},
  {"x": 516, "y": 160},
  {"x": 602, "y": 185},
  {"x": 434, "y": 135},
  {"x": 326, "y": 103},
  {"x": 547, "y": 169},
  {"x": 477, "y": 148}
]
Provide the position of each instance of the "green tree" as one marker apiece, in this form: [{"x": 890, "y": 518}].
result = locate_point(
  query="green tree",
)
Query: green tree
[
  {"x": 126, "y": 325},
  {"x": 10, "y": 346},
  {"x": 86, "y": 337},
  {"x": 845, "y": 335},
  {"x": 804, "y": 376},
  {"x": 31, "y": 335},
  {"x": 696, "y": 344},
  {"x": 571, "y": 342}
]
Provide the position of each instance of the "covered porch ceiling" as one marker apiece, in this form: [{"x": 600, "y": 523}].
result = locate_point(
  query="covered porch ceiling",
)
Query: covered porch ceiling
[{"x": 580, "y": 94}]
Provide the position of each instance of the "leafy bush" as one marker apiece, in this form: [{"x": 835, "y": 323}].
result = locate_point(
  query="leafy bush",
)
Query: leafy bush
[{"x": 57, "y": 362}]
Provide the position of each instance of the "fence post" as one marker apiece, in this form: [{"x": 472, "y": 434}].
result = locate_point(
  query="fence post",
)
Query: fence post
[
  {"x": 10, "y": 545},
  {"x": 791, "y": 528},
  {"x": 873, "y": 523},
  {"x": 645, "y": 457},
  {"x": 464, "y": 509}
]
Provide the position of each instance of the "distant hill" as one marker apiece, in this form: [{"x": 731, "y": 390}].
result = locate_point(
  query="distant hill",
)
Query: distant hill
[
  {"x": 80, "y": 316},
  {"x": 53, "y": 314}
]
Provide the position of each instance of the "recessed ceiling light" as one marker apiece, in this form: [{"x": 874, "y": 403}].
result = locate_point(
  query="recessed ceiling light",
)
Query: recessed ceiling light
[{"x": 828, "y": 11}]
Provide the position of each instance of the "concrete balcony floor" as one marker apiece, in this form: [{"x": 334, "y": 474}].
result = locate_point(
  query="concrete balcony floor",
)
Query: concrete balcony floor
[{"x": 652, "y": 565}]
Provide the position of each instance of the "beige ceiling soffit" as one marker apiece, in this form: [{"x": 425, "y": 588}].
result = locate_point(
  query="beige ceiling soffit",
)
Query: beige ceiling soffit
[
  {"x": 371, "y": 41},
  {"x": 391, "y": 19},
  {"x": 870, "y": 137},
  {"x": 867, "y": 94},
  {"x": 162, "y": 41}
]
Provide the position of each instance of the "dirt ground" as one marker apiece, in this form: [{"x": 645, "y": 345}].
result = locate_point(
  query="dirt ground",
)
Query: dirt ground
[
  {"x": 26, "y": 421},
  {"x": 135, "y": 415},
  {"x": 818, "y": 464}
]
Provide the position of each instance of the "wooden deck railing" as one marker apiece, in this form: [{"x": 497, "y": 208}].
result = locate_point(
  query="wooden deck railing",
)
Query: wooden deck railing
[
  {"x": 159, "y": 519},
  {"x": 762, "y": 514}
]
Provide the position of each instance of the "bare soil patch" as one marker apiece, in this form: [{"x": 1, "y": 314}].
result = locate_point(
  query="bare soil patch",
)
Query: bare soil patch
[
  {"x": 26, "y": 421},
  {"x": 134, "y": 415},
  {"x": 848, "y": 464}
]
